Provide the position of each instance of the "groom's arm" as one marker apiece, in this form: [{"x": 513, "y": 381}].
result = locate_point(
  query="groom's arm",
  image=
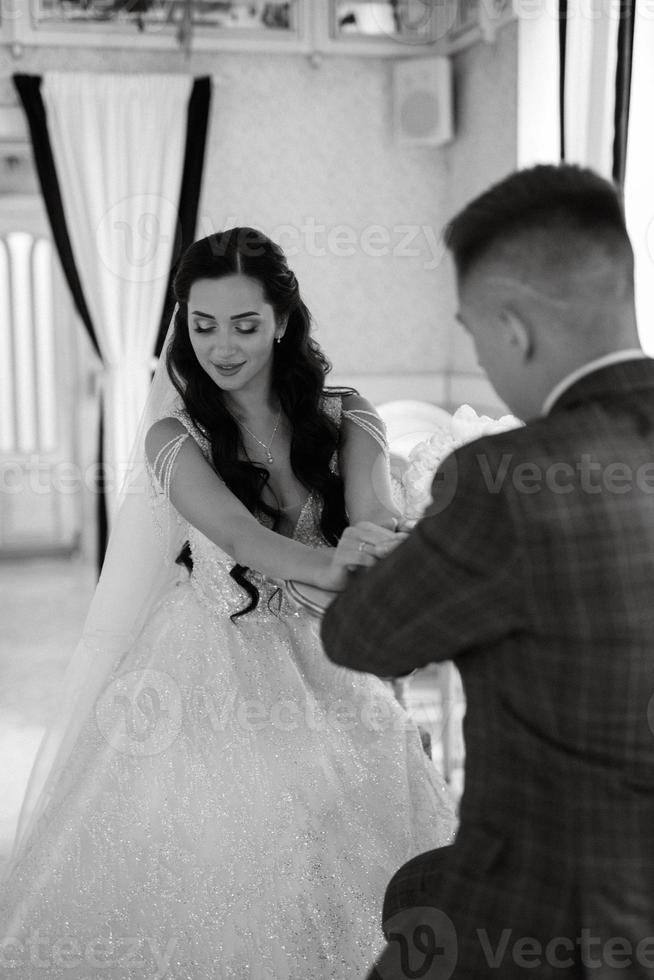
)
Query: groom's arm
[{"x": 454, "y": 584}]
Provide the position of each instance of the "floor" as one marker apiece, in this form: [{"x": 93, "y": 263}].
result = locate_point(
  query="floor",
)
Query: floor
[{"x": 43, "y": 604}]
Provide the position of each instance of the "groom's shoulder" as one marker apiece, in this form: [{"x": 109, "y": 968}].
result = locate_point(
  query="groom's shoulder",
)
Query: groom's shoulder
[
  {"x": 518, "y": 444},
  {"x": 483, "y": 465},
  {"x": 536, "y": 438}
]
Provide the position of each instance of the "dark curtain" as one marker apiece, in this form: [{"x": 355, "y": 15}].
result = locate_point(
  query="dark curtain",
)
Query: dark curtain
[
  {"x": 189, "y": 198},
  {"x": 29, "y": 91},
  {"x": 623, "y": 88},
  {"x": 622, "y": 84},
  {"x": 563, "y": 31}
]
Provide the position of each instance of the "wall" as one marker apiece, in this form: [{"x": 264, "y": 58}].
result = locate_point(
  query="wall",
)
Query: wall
[
  {"x": 318, "y": 161},
  {"x": 486, "y": 85},
  {"x": 308, "y": 155}
]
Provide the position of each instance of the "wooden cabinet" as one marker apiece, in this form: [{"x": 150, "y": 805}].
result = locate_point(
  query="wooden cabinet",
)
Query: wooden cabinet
[
  {"x": 386, "y": 28},
  {"x": 203, "y": 25}
]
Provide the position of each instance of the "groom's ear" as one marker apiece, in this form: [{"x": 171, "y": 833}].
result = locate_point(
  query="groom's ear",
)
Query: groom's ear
[{"x": 517, "y": 333}]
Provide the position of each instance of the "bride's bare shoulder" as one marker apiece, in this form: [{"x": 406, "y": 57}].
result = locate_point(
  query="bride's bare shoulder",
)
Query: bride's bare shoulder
[
  {"x": 177, "y": 423},
  {"x": 161, "y": 433}
]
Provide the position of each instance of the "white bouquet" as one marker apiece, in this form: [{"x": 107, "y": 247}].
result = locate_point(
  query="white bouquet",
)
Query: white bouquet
[{"x": 425, "y": 458}]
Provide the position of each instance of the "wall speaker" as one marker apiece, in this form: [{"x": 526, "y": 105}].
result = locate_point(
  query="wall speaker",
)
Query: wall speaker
[{"x": 422, "y": 101}]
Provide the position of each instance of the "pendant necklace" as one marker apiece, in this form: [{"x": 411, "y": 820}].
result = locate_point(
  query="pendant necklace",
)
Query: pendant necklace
[{"x": 266, "y": 448}]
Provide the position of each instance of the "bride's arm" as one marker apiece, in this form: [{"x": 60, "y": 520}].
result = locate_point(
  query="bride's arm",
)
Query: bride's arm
[
  {"x": 364, "y": 465},
  {"x": 201, "y": 497}
]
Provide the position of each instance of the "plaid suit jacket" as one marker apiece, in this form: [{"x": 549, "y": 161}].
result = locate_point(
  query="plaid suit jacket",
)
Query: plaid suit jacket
[{"x": 534, "y": 571}]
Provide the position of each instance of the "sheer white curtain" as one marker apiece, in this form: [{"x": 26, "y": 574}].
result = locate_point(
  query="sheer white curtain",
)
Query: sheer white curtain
[
  {"x": 590, "y": 103},
  {"x": 639, "y": 180},
  {"x": 118, "y": 142},
  {"x": 590, "y": 65}
]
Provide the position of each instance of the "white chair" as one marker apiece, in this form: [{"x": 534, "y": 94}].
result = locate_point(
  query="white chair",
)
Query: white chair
[
  {"x": 407, "y": 424},
  {"x": 410, "y": 422}
]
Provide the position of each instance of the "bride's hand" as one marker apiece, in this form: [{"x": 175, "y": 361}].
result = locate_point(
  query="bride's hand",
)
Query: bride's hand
[{"x": 360, "y": 547}]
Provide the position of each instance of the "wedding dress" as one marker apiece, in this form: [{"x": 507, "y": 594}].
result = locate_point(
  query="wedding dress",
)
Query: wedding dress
[{"x": 233, "y": 806}]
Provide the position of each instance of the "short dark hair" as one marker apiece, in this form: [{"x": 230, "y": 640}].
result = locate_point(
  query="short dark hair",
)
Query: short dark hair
[{"x": 564, "y": 200}]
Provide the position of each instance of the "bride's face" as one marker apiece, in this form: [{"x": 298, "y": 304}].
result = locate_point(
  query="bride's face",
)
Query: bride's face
[{"x": 232, "y": 330}]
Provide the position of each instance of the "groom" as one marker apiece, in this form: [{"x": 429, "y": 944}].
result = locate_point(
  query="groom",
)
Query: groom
[{"x": 534, "y": 570}]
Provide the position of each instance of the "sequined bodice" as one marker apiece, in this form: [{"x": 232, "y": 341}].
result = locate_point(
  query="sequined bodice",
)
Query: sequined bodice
[{"x": 211, "y": 577}]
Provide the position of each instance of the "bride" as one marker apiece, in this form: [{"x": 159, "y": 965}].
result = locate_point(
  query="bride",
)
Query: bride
[{"x": 216, "y": 799}]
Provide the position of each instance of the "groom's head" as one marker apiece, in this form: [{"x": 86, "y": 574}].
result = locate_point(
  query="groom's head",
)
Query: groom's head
[{"x": 545, "y": 278}]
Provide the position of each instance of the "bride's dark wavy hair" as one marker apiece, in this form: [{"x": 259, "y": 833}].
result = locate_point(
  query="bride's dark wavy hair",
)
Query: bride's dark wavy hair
[{"x": 298, "y": 379}]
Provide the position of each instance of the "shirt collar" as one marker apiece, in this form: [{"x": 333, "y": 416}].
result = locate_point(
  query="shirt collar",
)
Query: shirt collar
[{"x": 615, "y": 357}]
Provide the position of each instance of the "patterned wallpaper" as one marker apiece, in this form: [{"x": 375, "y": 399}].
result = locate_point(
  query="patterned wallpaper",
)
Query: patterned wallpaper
[
  {"x": 308, "y": 155},
  {"x": 486, "y": 144}
]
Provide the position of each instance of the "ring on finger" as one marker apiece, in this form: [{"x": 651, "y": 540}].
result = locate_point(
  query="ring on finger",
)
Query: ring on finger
[{"x": 363, "y": 545}]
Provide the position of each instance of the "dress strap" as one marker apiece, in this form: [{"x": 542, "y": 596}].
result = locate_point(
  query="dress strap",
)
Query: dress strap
[
  {"x": 199, "y": 436},
  {"x": 162, "y": 468},
  {"x": 371, "y": 423},
  {"x": 168, "y": 522}
]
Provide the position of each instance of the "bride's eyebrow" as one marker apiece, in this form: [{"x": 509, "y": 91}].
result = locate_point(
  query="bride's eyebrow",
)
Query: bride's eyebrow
[{"x": 237, "y": 316}]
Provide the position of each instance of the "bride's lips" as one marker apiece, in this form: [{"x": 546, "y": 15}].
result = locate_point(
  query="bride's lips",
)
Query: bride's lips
[{"x": 228, "y": 369}]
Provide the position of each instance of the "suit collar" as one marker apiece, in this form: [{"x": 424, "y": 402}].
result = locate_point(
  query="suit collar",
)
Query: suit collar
[
  {"x": 613, "y": 357},
  {"x": 612, "y": 379}
]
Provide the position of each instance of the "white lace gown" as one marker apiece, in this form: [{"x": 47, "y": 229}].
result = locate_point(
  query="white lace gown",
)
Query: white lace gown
[{"x": 234, "y": 807}]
